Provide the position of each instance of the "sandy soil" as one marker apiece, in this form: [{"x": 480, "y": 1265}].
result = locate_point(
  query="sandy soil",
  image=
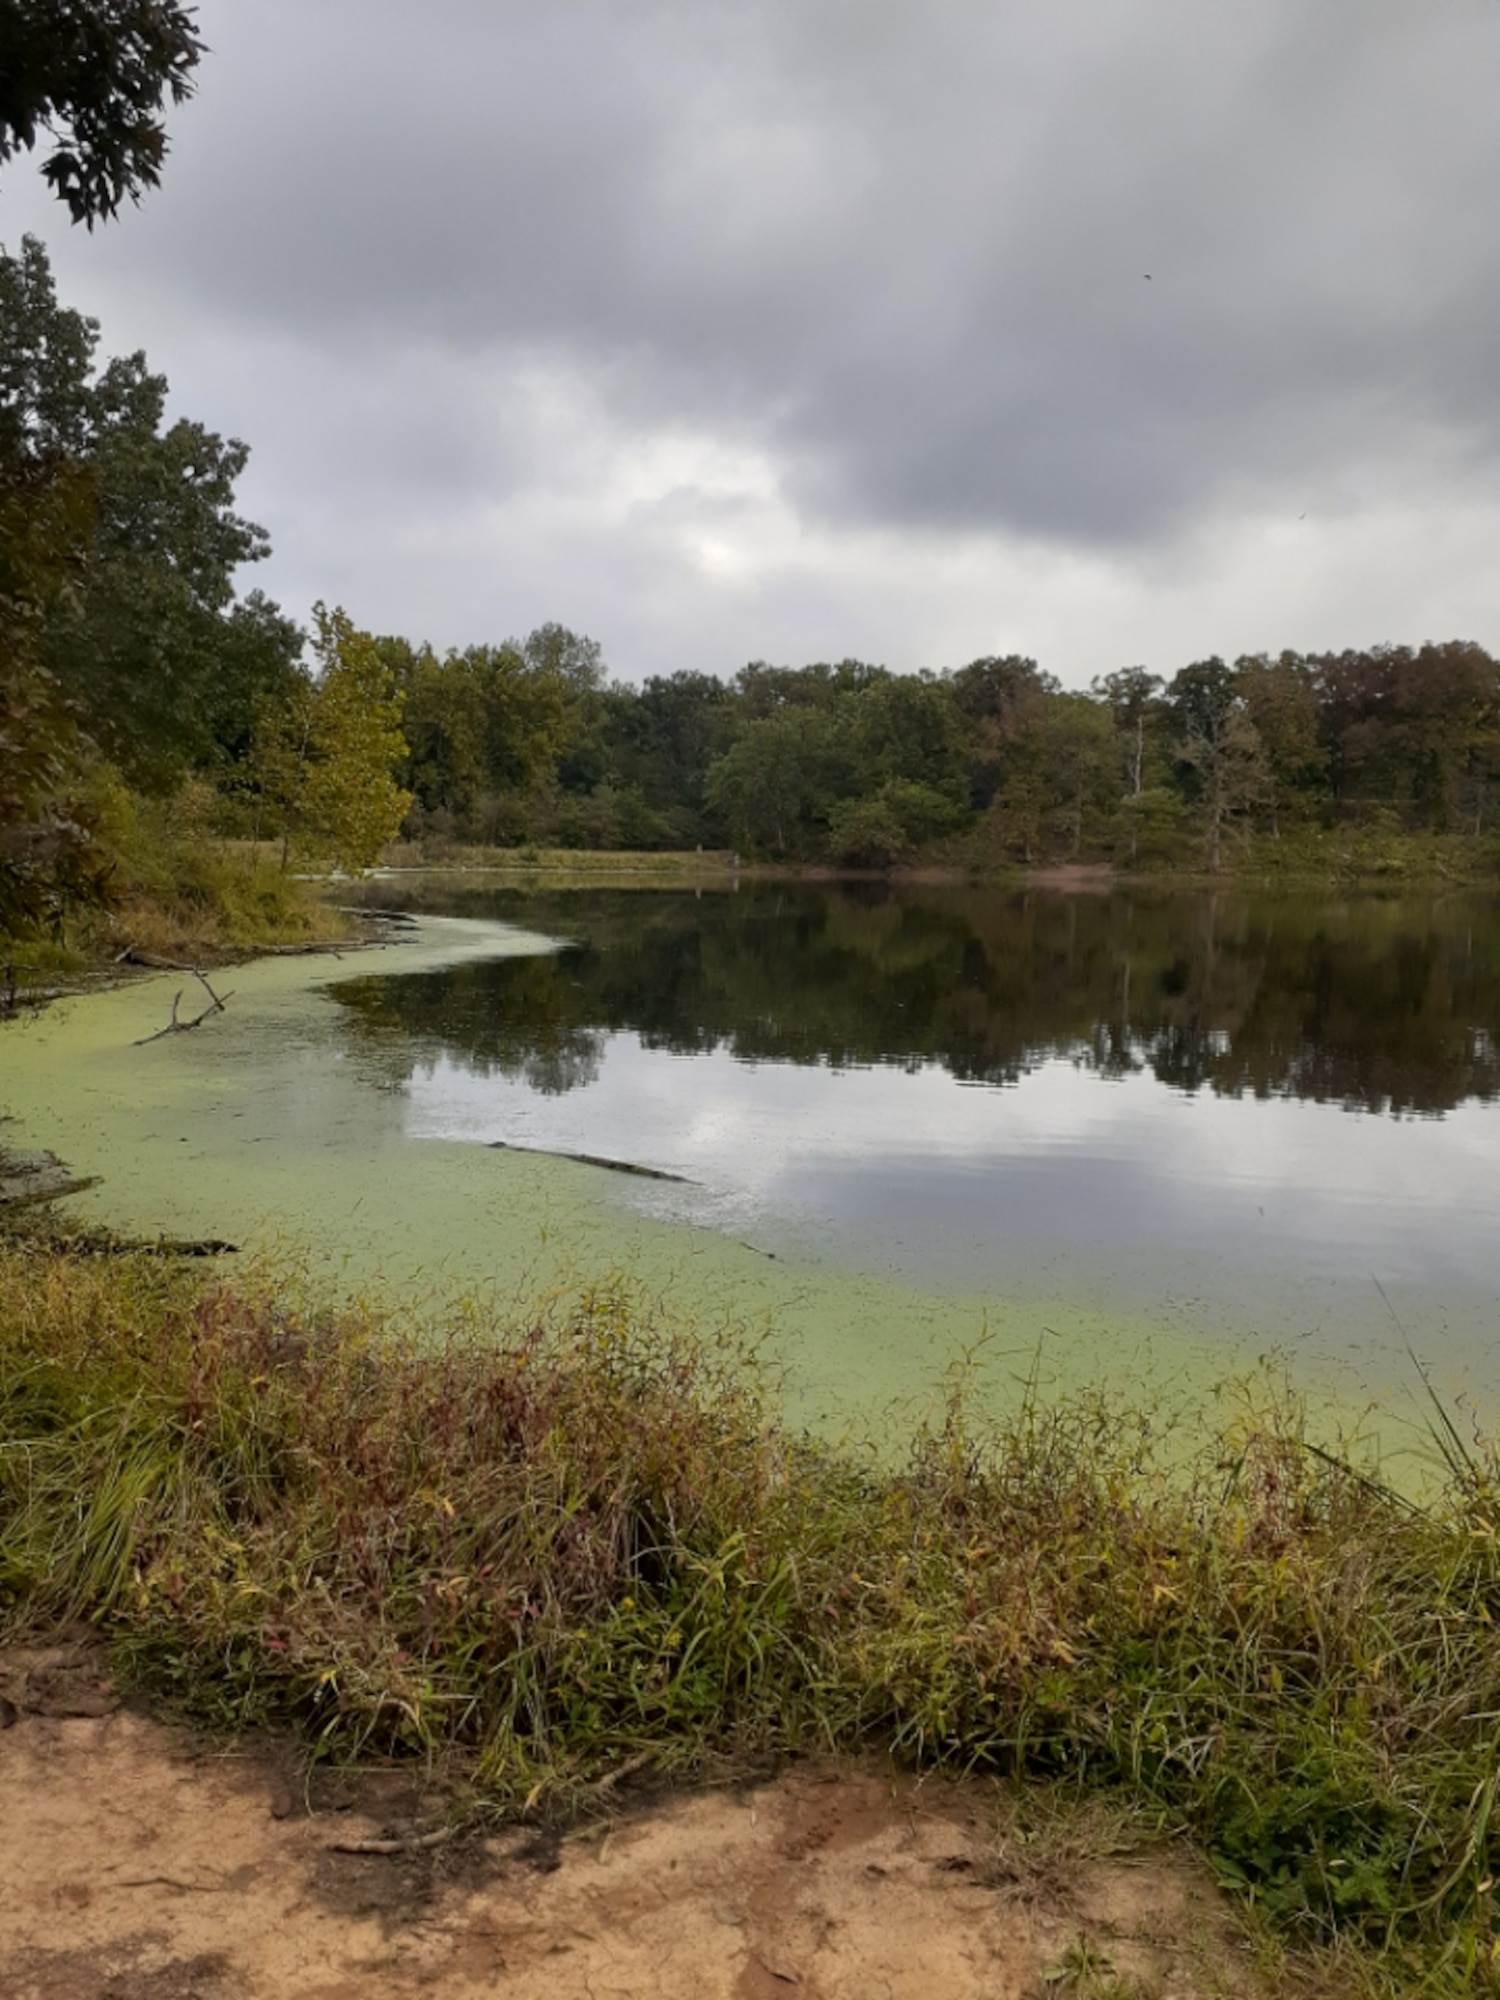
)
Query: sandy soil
[{"x": 137, "y": 1865}]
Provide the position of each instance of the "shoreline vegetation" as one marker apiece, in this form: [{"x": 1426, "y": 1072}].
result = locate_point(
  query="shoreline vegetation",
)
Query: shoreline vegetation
[
  {"x": 533, "y": 1557},
  {"x": 1369, "y": 857},
  {"x": 181, "y": 897}
]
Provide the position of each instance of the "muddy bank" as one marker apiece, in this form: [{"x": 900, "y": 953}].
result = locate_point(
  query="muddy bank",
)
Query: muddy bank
[{"x": 141, "y": 1865}]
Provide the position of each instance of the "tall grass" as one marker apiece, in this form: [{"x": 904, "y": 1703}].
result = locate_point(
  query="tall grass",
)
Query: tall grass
[
  {"x": 542, "y": 1551},
  {"x": 177, "y": 889}
]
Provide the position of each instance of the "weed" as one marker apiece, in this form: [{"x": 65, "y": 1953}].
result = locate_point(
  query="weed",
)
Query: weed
[{"x": 540, "y": 1552}]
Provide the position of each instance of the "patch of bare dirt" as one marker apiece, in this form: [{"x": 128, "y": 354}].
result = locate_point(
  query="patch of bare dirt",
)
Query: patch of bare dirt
[{"x": 137, "y": 1865}]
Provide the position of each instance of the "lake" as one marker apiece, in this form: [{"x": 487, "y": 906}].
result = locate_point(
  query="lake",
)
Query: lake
[
  {"x": 1131, "y": 1136},
  {"x": 1210, "y": 1110}
]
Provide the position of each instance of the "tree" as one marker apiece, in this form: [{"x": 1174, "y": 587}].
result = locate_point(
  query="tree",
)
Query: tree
[
  {"x": 95, "y": 75},
  {"x": 660, "y": 740},
  {"x": 47, "y": 862},
  {"x": 47, "y": 859},
  {"x": 1403, "y": 729},
  {"x": 1218, "y": 749},
  {"x": 136, "y": 640},
  {"x": 879, "y": 828},
  {"x": 1076, "y": 748},
  {"x": 138, "y": 644},
  {"x": 256, "y": 658},
  {"x": 997, "y": 700},
  {"x": 907, "y": 727},
  {"x": 443, "y": 721},
  {"x": 328, "y": 756},
  {"x": 781, "y": 773},
  {"x": 1281, "y": 700}
]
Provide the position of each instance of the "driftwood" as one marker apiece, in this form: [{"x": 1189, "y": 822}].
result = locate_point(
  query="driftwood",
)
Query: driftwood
[
  {"x": 404, "y": 917},
  {"x": 133, "y": 955},
  {"x": 595, "y": 1160},
  {"x": 626, "y": 1770},
  {"x": 176, "y": 1027},
  {"x": 416, "y": 1843}
]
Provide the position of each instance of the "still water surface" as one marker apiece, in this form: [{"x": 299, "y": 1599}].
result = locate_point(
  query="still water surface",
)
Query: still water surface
[{"x": 1271, "y": 1122}]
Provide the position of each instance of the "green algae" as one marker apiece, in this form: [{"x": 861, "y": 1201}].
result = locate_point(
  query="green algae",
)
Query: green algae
[{"x": 267, "y": 1127}]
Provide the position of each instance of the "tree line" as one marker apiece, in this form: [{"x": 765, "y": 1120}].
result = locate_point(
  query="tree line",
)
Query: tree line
[
  {"x": 127, "y": 646},
  {"x": 851, "y": 763}
]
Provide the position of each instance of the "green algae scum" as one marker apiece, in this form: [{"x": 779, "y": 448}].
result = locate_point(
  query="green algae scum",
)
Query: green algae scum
[{"x": 273, "y": 1129}]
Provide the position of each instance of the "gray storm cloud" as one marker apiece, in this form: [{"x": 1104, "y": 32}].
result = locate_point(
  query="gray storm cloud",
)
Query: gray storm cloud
[
  {"x": 1090, "y": 274},
  {"x": 909, "y": 244}
]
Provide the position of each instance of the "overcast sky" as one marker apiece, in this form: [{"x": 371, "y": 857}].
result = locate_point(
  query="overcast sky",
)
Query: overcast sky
[{"x": 1101, "y": 330}]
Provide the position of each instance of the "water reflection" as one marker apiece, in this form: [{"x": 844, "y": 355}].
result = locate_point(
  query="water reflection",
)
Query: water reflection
[
  {"x": 1372, "y": 1005},
  {"x": 1221, "y": 1114}
]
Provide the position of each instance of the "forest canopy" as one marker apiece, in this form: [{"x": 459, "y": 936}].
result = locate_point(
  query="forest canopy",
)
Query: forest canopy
[{"x": 129, "y": 656}]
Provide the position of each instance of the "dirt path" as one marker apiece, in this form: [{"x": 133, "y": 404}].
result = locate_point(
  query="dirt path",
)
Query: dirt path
[{"x": 134, "y": 1866}]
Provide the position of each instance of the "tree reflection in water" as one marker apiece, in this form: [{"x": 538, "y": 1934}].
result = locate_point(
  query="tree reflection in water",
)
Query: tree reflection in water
[{"x": 1374, "y": 1004}]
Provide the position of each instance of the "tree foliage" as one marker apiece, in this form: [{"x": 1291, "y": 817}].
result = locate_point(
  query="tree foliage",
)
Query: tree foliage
[
  {"x": 94, "y": 75},
  {"x": 120, "y": 634},
  {"x": 144, "y": 640},
  {"x": 849, "y": 762},
  {"x": 47, "y": 862},
  {"x": 326, "y": 754}
]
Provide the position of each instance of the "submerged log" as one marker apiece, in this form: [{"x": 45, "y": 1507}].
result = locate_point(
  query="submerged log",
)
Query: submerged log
[{"x": 595, "y": 1160}]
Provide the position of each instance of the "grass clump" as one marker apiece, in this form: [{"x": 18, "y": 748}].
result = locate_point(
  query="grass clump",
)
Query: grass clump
[{"x": 538, "y": 1553}]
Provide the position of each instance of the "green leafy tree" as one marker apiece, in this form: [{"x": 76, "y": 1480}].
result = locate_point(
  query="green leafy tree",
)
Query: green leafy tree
[
  {"x": 660, "y": 740},
  {"x": 443, "y": 720},
  {"x": 1076, "y": 749},
  {"x": 1219, "y": 752},
  {"x": 48, "y": 863},
  {"x": 997, "y": 698},
  {"x": 1280, "y": 698},
  {"x": 139, "y": 638},
  {"x": 327, "y": 757},
  {"x": 257, "y": 659},
  {"x": 94, "y": 74},
  {"x": 778, "y": 780},
  {"x": 891, "y": 824},
  {"x": 1133, "y": 697},
  {"x": 139, "y": 644},
  {"x": 907, "y": 727}
]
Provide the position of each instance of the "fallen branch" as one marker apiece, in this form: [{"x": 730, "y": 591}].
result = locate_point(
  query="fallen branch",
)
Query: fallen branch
[
  {"x": 176, "y": 1027},
  {"x": 594, "y": 1160},
  {"x": 170, "y": 1882},
  {"x": 626, "y": 1770},
  {"x": 416, "y": 1843},
  {"x": 133, "y": 955}
]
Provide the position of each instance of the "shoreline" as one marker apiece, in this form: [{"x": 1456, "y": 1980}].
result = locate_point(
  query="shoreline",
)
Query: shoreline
[{"x": 1037, "y": 1597}]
